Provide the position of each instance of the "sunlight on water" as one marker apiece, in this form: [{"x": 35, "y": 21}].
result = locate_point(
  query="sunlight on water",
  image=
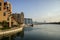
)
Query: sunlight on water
[
  {"x": 42, "y": 32},
  {"x": 48, "y": 30}
]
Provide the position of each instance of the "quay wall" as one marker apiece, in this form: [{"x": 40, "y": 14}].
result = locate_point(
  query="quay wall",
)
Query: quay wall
[{"x": 10, "y": 32}]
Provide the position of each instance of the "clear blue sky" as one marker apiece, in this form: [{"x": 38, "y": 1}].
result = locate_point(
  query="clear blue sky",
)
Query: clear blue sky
[{"x": 39, "y": 10}]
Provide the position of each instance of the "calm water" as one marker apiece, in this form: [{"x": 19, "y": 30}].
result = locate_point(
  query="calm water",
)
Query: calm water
[{"x": 41, "y": 32}]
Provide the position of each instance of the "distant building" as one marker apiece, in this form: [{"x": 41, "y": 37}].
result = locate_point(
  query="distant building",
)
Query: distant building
[
  {"x": 19, "y": 17},
  {"x": 28, "y": 21}
]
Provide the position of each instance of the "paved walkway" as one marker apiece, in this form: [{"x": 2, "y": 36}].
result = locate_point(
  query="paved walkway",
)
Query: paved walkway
[{"x": 10, "y": 31}]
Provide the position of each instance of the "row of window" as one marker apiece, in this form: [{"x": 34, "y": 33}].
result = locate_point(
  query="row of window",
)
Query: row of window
[
  {"x": 4, "y": 14},
  {"x": 0, "y": 9},
  {"x": 1, "y": 5}
]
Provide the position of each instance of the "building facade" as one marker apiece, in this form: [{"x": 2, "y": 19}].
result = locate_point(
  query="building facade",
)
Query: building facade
[
  {"x": 1, "y": 10},
  {"x": 28, "y": 21},
  {"x": 5, "y": 12},
  {"x": 19, "y": 17}
]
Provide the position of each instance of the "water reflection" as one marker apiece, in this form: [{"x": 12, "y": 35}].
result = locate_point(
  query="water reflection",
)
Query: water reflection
[
  {"x": 39, "y": 32},
  {"x": 42, "y": 32},
  {"x": 20, "y": 35},
  {"x": 28, "y": 28}
]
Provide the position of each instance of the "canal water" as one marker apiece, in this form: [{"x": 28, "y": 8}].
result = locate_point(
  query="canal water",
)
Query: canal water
[{"x": 41, "y": 32}]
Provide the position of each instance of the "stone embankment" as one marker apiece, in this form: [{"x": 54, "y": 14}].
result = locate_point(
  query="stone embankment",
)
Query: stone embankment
[{"x": 11, "y": 31}]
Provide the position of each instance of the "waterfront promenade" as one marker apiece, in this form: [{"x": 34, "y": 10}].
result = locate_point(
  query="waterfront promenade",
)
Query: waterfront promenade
[{"x": 12, "y": 31}]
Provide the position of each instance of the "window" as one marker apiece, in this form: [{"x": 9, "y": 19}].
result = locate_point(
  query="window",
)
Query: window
[
  {"x": 4, "y": 14},
  {"x": 8, "y": 19},
  {"x": 0, "y": 8},
  {"x": 18, "y": 16},
  {"x": 0, "y": 3},
  {"x": 7, "y": 8}
]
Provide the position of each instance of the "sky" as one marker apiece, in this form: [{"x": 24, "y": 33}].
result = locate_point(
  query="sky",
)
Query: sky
[{"x": 38, "y": 10}]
